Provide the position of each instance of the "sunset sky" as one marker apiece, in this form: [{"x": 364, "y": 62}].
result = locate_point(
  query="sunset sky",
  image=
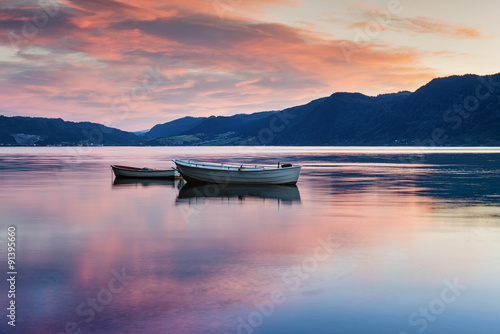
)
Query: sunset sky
[{"x": 133, "y": 64}]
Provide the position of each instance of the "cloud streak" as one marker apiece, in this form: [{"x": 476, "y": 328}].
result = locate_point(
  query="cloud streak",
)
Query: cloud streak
[
  {"x": 419, "y": 24},
  {"x": 427, "y": 25},
  {"x": 91, "y": 53}
]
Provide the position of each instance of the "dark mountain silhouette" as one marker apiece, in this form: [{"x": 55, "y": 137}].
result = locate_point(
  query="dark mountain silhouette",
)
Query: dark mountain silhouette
[
  {"x": 54, "y": 131},
  {"x": 450, "y": 111},
  {"x": 240, "y": 129},
  {"x": 173, "y": 128},
  {"x": 223, "y": 124}
]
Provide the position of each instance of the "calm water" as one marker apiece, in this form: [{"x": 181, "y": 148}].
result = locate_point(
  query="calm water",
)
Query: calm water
[{"x": 372, "y": 240}]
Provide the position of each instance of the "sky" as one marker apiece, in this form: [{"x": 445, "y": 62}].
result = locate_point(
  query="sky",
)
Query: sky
[{"x": 133, "y": 64}]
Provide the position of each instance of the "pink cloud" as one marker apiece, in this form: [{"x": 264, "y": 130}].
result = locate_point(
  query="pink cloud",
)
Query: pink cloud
[
  {"x": 87, "y": 59},
  {"x": 422, "y": 25},
  {"x": 434, "y": 26}
]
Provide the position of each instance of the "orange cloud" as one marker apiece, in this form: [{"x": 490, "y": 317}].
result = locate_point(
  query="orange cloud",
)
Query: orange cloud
[
  {"x": 382, "y": 21},
  {"x": 427, "y": 25},
  {"x": 94, "y": 55}
]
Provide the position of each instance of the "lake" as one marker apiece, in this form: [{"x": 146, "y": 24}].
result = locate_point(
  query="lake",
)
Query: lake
[{"x": 371, "y": 240}]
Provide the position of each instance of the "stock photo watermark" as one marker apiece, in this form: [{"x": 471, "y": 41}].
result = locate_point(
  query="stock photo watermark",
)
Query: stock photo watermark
[
  {"x": 11, "y": 274},
  {"x": 35, "y": 23},
  {"x": 371, "y": 29},
  {"x": 429, "y": 313},
  {"x": 456, "y": 115},
  {"x": 150, "y": 80},
  {"x": 87, "y": 310},
  {"x": 277, "y": 124},
  {"x": 223, "y": 6},
  {"x": 291, "y": 280}
]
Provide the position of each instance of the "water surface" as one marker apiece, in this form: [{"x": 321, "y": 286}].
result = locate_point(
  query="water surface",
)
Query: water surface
[{"x": 372, "y": 240}]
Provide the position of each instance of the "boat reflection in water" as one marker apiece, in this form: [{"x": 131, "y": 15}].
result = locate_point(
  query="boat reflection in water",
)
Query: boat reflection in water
[
  {"x": 286, "y": 194},
  {"x": 129, "y": 182}
]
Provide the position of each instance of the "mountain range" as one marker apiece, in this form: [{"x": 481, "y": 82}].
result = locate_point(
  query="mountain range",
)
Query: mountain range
[{"x": 450, "y": 111}]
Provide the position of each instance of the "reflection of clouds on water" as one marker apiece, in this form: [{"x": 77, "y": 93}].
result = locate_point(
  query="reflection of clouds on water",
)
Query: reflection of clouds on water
[
  {"x": 134, "y": 182},
  {"x": 403, "y": 230},
  {"x": 286, "y": 194},
  {"x": 474, "y": 178}
]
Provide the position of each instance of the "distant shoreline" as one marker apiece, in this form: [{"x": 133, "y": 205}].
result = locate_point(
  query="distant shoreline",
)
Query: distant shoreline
[{"x": 268, "y": 146}]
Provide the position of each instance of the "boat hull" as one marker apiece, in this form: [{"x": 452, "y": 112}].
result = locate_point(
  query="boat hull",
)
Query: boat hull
[
  {"x": 133, "y": 172},
  {"x": 211, "y": 173}
]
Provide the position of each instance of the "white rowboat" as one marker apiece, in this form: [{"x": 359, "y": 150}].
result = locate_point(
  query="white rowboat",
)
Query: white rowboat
[
  {"x": 230, "y": 174},
  {"x": 150, "y": 173}
]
